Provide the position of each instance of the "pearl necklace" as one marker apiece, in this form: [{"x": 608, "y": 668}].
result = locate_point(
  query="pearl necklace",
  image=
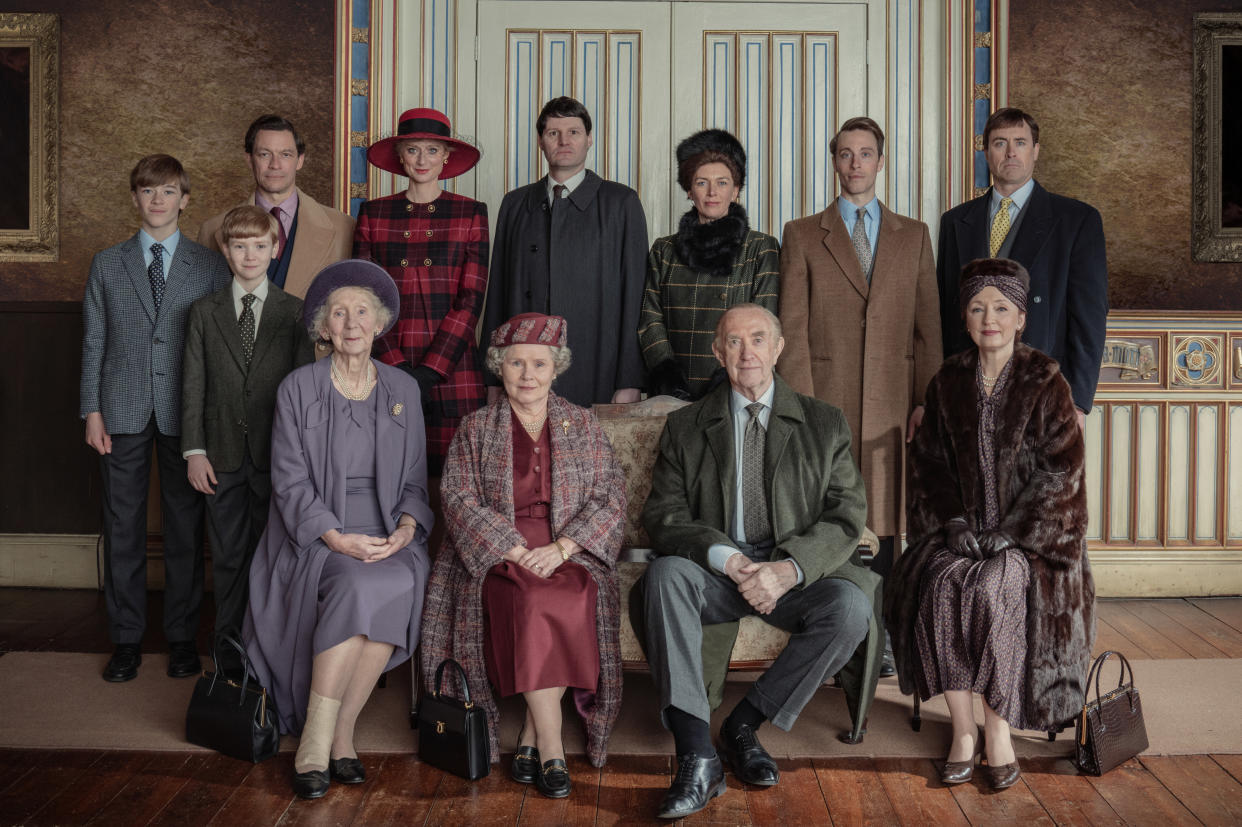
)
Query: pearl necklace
[
  {"x": 534, "y": 428},
  {"x": 356, "y": 394}
]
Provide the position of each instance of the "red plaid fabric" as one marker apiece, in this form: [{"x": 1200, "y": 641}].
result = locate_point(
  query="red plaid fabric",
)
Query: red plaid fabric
[{"x": 437, "y": 255}]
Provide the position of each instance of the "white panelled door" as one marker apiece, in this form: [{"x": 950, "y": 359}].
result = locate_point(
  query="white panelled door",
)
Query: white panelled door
[{"x": 779, "y": 75}]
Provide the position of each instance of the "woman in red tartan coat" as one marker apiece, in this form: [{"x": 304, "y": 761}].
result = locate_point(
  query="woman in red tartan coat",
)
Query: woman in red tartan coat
[{"x": 434, "y": 245}]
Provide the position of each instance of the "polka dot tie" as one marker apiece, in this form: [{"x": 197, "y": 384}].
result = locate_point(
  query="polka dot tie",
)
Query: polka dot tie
[
  {"x": 755, "y": 522},
  {"x": 245, "y": 325},
  {"x": 1000, "y": 228},
  {"x": 156, "y": 274}
]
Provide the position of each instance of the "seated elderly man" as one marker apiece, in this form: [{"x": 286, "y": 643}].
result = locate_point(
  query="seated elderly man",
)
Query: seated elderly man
[{"x": 756, "y": 507}]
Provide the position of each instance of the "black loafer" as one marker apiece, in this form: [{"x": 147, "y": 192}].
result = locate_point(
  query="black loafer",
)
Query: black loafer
[
  {"x": 347, "y": 770},
  {"x": 699, "y": 779},
  {"x": 553, "y": 779},
  {"x": 311, "y": 784},
  {"x": 123, "y": 665},
  {"x": 525, "y": 766},
  {"x": 888, "y": 667},
  {"x": 749, "y": 759},
  {"x": 183, "y": 659}
]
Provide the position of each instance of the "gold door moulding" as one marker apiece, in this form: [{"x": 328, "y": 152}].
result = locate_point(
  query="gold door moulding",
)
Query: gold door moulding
[{"x": 1196, "y": 361}]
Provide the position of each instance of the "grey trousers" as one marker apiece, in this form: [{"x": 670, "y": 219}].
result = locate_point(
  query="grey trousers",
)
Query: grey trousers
[{"x": 827, "y": 620}]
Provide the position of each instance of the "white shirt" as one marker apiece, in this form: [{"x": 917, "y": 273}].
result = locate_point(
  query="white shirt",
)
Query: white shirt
[
  {"x": 570, "y": 184},
  {"x": 1019, "y": 197},
  {"x": 260, "y": 295},
  {"x": 170, "y": 248}
]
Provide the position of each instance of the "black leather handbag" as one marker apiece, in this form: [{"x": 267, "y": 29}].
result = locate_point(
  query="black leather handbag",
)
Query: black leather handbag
[
  {"x": 1110, "y": 730},
  {"x": 237, "y": 719},
  {"x": 452, "y": 733}
]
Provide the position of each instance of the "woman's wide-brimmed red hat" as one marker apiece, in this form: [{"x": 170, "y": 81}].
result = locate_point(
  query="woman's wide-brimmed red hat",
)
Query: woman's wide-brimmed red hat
[{"x": 424, "y": 124}]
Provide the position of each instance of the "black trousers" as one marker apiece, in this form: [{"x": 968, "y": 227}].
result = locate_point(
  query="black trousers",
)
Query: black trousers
[
  {"x": 126, "y": 478},
  {"x": 236, "y": 516}
]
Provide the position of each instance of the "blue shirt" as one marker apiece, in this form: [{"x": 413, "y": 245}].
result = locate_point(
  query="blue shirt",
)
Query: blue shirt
[
  {"x": 871, "y": 218},
  {"x": 170, "y": 246},
  {"x": 1020, "y": 196}
]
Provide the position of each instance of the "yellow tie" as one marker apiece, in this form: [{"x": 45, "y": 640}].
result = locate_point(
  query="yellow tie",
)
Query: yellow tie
[{"x": 1000, "y": 227}]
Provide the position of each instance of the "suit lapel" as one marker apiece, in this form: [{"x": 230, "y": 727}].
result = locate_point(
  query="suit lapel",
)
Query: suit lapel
[
  {"x": 717, "y": 423},
  {"x": 972, "y": 240},
  {"x": 274, "y": 309},
  {"x": 136, "y": 269},
  {"x": 841, "y": 247},
  {"x": 887, "y": 248},
  {"x": 313, "y": 239},
  {"x": 226, "y": 322},
  {"x": 1035, "y": 228},
  {"x": 183, "y": 270},
  {"x": 784, "y": 409}
]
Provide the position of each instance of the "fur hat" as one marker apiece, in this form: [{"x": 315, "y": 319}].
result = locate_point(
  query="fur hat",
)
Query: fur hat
[{"x": 709, "y": 140}]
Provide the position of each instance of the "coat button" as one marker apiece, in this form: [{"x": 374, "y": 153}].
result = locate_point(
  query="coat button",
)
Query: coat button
[
  {"x": 407, "y": 234},
  {"x": 1036, "y": 299},
  {"x": 409, "y": 208},
  {"x": 536, "y": 467},
  {"x": 404, "y": 263},
  {"x": 431, "y": 208},
  {"x": 426, "y": 262},
  {"x": 536, "y": 449},
  {"x": 724, "y": 295},
  {"x": 429, "y": 233}
]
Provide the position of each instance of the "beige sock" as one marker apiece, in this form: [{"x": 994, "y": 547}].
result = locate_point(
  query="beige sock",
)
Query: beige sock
[{"x": 315, "y": 747}]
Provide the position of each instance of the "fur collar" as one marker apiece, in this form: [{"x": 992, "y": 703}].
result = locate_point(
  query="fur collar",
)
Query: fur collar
[{"x": 712, "y": 247}]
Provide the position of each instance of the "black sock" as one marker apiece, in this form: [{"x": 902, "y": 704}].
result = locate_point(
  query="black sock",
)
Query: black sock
[
  {"x": 744, "y": 714},
  {"x": 690, "y": 734}
]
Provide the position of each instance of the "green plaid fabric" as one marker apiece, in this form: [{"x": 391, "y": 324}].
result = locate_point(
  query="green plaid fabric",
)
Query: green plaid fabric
[{"x": 681, "y": 306}]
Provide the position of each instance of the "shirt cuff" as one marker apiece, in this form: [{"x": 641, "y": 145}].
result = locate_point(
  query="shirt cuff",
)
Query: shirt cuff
[
  {"x": 798, "y": 571},
  {"x": 192, "y": 452},
  {"x": 718, "y": 554}
]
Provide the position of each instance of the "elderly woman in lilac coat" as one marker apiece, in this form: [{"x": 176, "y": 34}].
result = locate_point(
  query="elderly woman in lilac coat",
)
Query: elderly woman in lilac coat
[{"x": 337, "y": 582}]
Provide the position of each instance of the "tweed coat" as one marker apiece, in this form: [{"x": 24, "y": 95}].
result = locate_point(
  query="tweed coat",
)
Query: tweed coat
[
  {"x": 815, "y": 503},
  {"x": 869, "y": 349},
  {"x": 227, "y": 406},
  {"x": 437, "y": 255},
  {"x": 308, "y": 499},
  {"x": 588, "y": 506},
  {"x": 1060, "y": 241},
  {"x": 1043, "y": 507},
  {"x": 585, "y": 260},
  {"x": 682, "y": 302},
  {"x": 131, "y": 355},
  {"x": 323, "y": 238}
]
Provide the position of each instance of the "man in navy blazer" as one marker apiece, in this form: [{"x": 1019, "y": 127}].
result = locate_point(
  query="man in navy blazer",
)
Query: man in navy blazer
[
  {"x": 1058, "y": 240},
  {"x": 134, "y": 314}
]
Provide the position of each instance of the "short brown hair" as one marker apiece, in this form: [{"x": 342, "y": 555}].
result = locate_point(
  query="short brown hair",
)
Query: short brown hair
[
  {"x": 1009, "y": 116},
  {"x": 688, "y": 168},
  {"x": 863, "y": 124},
  {"x": 154, "y": 170},
  {"x": 249, "y": 221}
]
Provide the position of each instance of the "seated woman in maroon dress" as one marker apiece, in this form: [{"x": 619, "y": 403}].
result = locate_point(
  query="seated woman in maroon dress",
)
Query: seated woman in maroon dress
[
  {"x": 534, "y": 505},
  {"x": 994, "y": 595}
]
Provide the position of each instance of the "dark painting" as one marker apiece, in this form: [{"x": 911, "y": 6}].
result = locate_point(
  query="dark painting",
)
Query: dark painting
[
  {"x": 1230, "y": 136},
  {"x": 14, "y": 137}
]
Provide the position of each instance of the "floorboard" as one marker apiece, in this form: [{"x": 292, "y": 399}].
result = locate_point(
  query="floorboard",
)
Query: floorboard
[
  {"x": 1201, "y": 785},
  {"x": 797, "y": 800},
  {"x": 1187, "y": 637},
  {"x": 631, "y": 788},
  {"x": 913, "y": 786},
  {"x": 1228, "y": 610},
  {"x": 202, "y": 796},
  {"x": 1139, "y": 798},
  {"x": 1067, "y": 796},
  {"x": 494, "y": 800},
  {"x": 578, "y": 809},
  {"x": 91, "y": 791},
  {"x": 262, "y": 797},
  {"x": 1016, "y": 805},
  {"x": 402, "y": 789},
  {"x": 149, "y": 790},
  {"x": 48, "y": 775},
  {"x": 1215, "y": 631},
  {"x": 853, "y": 791},
  {"x": 1153, "y": 642},
  {"x": 1107, "y": 638}
]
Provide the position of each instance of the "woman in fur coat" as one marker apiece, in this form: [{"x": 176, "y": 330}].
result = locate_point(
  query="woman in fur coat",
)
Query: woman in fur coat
[
  {"x": 714, "y": 261},
  {"x": 994, "y": 595}
]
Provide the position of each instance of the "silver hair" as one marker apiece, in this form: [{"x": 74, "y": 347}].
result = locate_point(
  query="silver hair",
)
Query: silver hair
[
  {"x": 320, "y": 319},
  {"x": 561, "y": 358},
  {"x": 775, "y": 322}
]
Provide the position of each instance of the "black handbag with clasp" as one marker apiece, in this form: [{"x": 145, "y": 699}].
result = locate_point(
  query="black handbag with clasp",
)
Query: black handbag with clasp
[
  {"x": 1110, "y": 729},
  {"x": 237, "y": 719},
  {"x": 452, "y": 733}
]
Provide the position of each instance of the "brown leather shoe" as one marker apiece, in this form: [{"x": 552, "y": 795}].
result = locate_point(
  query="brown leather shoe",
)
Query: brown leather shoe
[
  {"x": 1002, "y": 777},
  {"x": 959, "y": 772}
]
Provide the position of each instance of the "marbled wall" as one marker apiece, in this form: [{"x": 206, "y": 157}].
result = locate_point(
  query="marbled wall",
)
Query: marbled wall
[
  {"x": 184, "y": 77},
  {"x": 1109, "y": 83}
]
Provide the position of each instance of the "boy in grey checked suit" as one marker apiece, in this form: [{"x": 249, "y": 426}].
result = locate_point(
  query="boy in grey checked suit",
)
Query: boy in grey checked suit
[
  {"x": 241, "y": 342},
  {"x": 134, "y": 314}
]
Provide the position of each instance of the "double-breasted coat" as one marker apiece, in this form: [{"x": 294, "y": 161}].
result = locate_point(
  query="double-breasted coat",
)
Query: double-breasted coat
[
  {"x": 308, "y": 499},
  {"x": 588, "y": 506},
  {"x": 437, "y": 254},
  {"x": 868, "y": 348},
  {"x": 1043, "y": 506}
]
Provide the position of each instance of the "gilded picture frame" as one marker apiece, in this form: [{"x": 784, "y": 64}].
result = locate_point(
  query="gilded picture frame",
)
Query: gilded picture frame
[
  {"x": 29, "y": 137},
  {"x": 1216, "y": 191}
]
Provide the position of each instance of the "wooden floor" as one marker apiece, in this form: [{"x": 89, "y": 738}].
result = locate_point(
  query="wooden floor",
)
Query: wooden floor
[{"x": 67, "y": 787}]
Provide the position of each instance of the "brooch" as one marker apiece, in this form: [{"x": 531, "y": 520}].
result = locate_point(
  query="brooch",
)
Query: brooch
[
  {"x": 565, "y": 426},
  {"x": 397, "y": 409}
]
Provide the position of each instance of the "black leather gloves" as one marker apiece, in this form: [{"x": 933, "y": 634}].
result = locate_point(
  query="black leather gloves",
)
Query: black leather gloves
[{"x": 959, "y": 539}]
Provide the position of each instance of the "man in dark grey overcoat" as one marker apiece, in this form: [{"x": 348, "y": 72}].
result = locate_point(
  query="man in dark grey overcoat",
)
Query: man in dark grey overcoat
[
  {"x": 574, "y": 245},
  {"x": 756, "y": 507}
]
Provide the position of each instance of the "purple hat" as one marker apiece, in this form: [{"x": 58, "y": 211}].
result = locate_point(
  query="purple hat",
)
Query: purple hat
[
  {"x": 531, "y": 329},
  {"x": 352, "y": 272}
]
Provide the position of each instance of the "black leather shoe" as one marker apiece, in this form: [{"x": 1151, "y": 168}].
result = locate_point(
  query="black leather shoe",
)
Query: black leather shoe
[
  {"x": 525, "y": 766},
  {"x": 347, "y": 770},
  {"x": 888, "y": 666},
  {"x": 699, "y": 779},
  {"x": 749, "y": 759},
  {"x": 553, "y": 779},
  {"x": 123, "y": 665},
  {"x": 311, "y": 784},
  {"x": 183, "y": 659}
]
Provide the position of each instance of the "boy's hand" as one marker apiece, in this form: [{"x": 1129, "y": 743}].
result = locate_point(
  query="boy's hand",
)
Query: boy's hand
[
  {"x": 200, "y": 474},
  {"x": 96, "y": 436}
]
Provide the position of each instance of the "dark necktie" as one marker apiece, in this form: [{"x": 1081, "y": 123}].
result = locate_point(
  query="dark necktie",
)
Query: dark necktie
[
  {"x": 245, "y": 325},
  {"x": 558, "y": 192},
  {"x": 156, "y": 274},
  {"x": 755, "y": 521},
  {"x": 862, "y": 245},
  {"x": 280, "y": 228}
]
